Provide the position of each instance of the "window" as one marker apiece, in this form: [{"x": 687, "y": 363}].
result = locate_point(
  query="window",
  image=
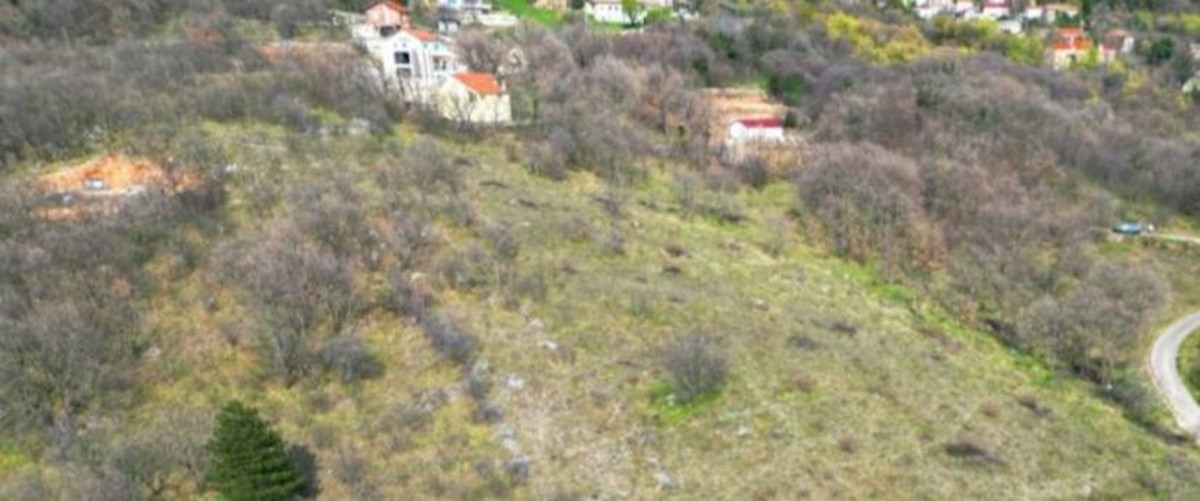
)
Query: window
[{"x": 403, "y": 58}]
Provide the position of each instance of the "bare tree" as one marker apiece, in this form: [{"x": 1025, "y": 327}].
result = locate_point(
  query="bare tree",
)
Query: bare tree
[{"x": 481, "y": 50}]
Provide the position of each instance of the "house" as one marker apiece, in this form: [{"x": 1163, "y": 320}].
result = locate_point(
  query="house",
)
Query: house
[
  {"x": 1068, "y": 48},
  {"x": 928, "y": 9},
  {"x": 1010, "y": 26},
  {"x": 1034, "y": 12},
  {"x": 1060, "y": 12},
  {"x": 964, "y": 8},
  {"x": 610, "y": 11},
  {"x": 1121, "y": 41},
  {"x": 474, "y": 98},
  {"x": 414, "y": 60},
  {"x": 995, "y": 9},
  {"x": 453, "y": 14},
  {"x": 424, "y": 66},
  {"x": 765, "y": 129},
  {"x": 387, "y": 16}
]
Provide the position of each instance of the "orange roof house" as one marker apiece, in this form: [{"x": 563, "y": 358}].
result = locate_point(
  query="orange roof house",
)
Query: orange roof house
[
  {"x": 1068, "y": 47},
  {"x": 422, "y": 35},
  {"x": 476, "y": 98},
  {"x": 480, "y": 83},
  {"x": 387, "y": 14}
]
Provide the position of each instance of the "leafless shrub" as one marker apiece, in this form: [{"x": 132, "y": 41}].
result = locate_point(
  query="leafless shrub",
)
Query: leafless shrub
[
  {"x": 448, "y": 339},
  {"x": 696, "y": 365},
  {"x": 870, "y": 202}
]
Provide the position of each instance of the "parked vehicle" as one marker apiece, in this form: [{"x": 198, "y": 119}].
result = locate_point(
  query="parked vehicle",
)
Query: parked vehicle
[{"x": 1130, "y": 228}]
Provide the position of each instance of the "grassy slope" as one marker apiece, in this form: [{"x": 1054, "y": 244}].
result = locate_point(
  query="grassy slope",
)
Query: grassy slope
[{"x": 863, "y": 415}]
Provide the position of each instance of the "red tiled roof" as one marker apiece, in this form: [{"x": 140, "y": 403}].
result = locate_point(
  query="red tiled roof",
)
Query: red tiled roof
[
  {"x": 761, "y": 123},
  {"x": 1064, "y": 45},
  {"x": 1070, "y": 39},
  {"x": 482, "y": 83},
  {"x": 391, "y": 4},
  {"x": 422, "y": 35}
]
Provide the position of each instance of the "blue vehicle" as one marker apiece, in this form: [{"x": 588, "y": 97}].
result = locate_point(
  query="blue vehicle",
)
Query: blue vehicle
[{"x": 1130, "y": 228}]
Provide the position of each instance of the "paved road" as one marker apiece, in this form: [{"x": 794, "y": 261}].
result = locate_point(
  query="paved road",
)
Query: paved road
[
  {"x": 1164, "y": 368},
  {"x": 1175, "y": 238}
]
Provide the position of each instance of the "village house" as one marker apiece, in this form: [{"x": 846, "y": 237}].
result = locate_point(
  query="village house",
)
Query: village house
[
  {"x": 752, "y": 136},
  {"x": 454, "y": 14},
  {"x": 609, "y": 11},
  {"x": 1068, "y": 47},
  {"x": 1033, "y": 12},
  {"x": 928, "y": 9},
  {"x": 1010, "y": 26},
  {"x": 745, "y": 130},
  {"x": 613, "y": 12},
  {"x": 1060, "y": 12},
  {"x": 386, "y": 17},
  {"x": 1118, "y": 43},
  {"x": 474, "y": 98},
  {"x": 995, "y": 9},
  {"x": 424, "y": 67},
  {"x": 964, "y": 8},
  {"x": 416, "y": 61}
]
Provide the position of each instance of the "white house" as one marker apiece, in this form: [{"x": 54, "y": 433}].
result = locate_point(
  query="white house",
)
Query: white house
[
  {"x": 1060, "y": 11},
  {"x": 928, "y": 9},
  {"x": 995, "y": 9},
  {"x": 765, "y": 129},
  {"x": 424, "y": 67},
  {"x": 607, "y": 11},
  {"x": 416, "y": 61},
  {"x": 1010, "y": 26},
  {"x": 474, "y": 98},
  {"x": 1034, "y": 13},
  {"x": 453, "y": 14},
  {"x": 964, "y": 8}
]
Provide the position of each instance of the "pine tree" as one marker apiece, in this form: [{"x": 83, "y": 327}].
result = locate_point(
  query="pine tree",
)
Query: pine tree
[{"x": 249, "y": 460}]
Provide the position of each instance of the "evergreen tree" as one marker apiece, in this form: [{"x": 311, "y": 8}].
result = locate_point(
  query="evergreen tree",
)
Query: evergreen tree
[{"x": 249, "y": 460}]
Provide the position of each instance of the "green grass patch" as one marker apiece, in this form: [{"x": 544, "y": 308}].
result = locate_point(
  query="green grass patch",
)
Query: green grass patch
[
  {"x": 673, "y": 413},
  {"x": 11, "y": 459},
  {"x": 525, "y": 10}
]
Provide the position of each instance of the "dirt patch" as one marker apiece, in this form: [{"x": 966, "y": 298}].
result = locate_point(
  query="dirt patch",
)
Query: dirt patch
[
  {"x": 108, "y": 173},
  {"x": 95, "y": 185}
]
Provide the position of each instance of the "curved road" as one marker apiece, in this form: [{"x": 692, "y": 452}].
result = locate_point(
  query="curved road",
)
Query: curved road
[{"x": 1164, "y": 368}]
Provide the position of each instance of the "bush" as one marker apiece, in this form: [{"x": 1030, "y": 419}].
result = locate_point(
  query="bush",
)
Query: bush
[
  {"x": 870, "y": 201},
  {"x": 697, "y": 366},
  {"x": 1134, "y": 397},
  {"x": 453, "y": 343},
  {"x": 348, "y": 357}
]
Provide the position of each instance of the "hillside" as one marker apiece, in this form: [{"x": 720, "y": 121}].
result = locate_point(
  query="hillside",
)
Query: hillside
[
  {"x": 839, "y": 387},
  {"x": 751, "y": 250}
]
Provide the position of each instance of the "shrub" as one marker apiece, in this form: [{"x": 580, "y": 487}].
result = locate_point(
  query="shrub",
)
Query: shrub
[
  {"x": 348, "y": 357},
  {"x": 452, "y": 342},
  {"x": 697, "y": 366}
]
